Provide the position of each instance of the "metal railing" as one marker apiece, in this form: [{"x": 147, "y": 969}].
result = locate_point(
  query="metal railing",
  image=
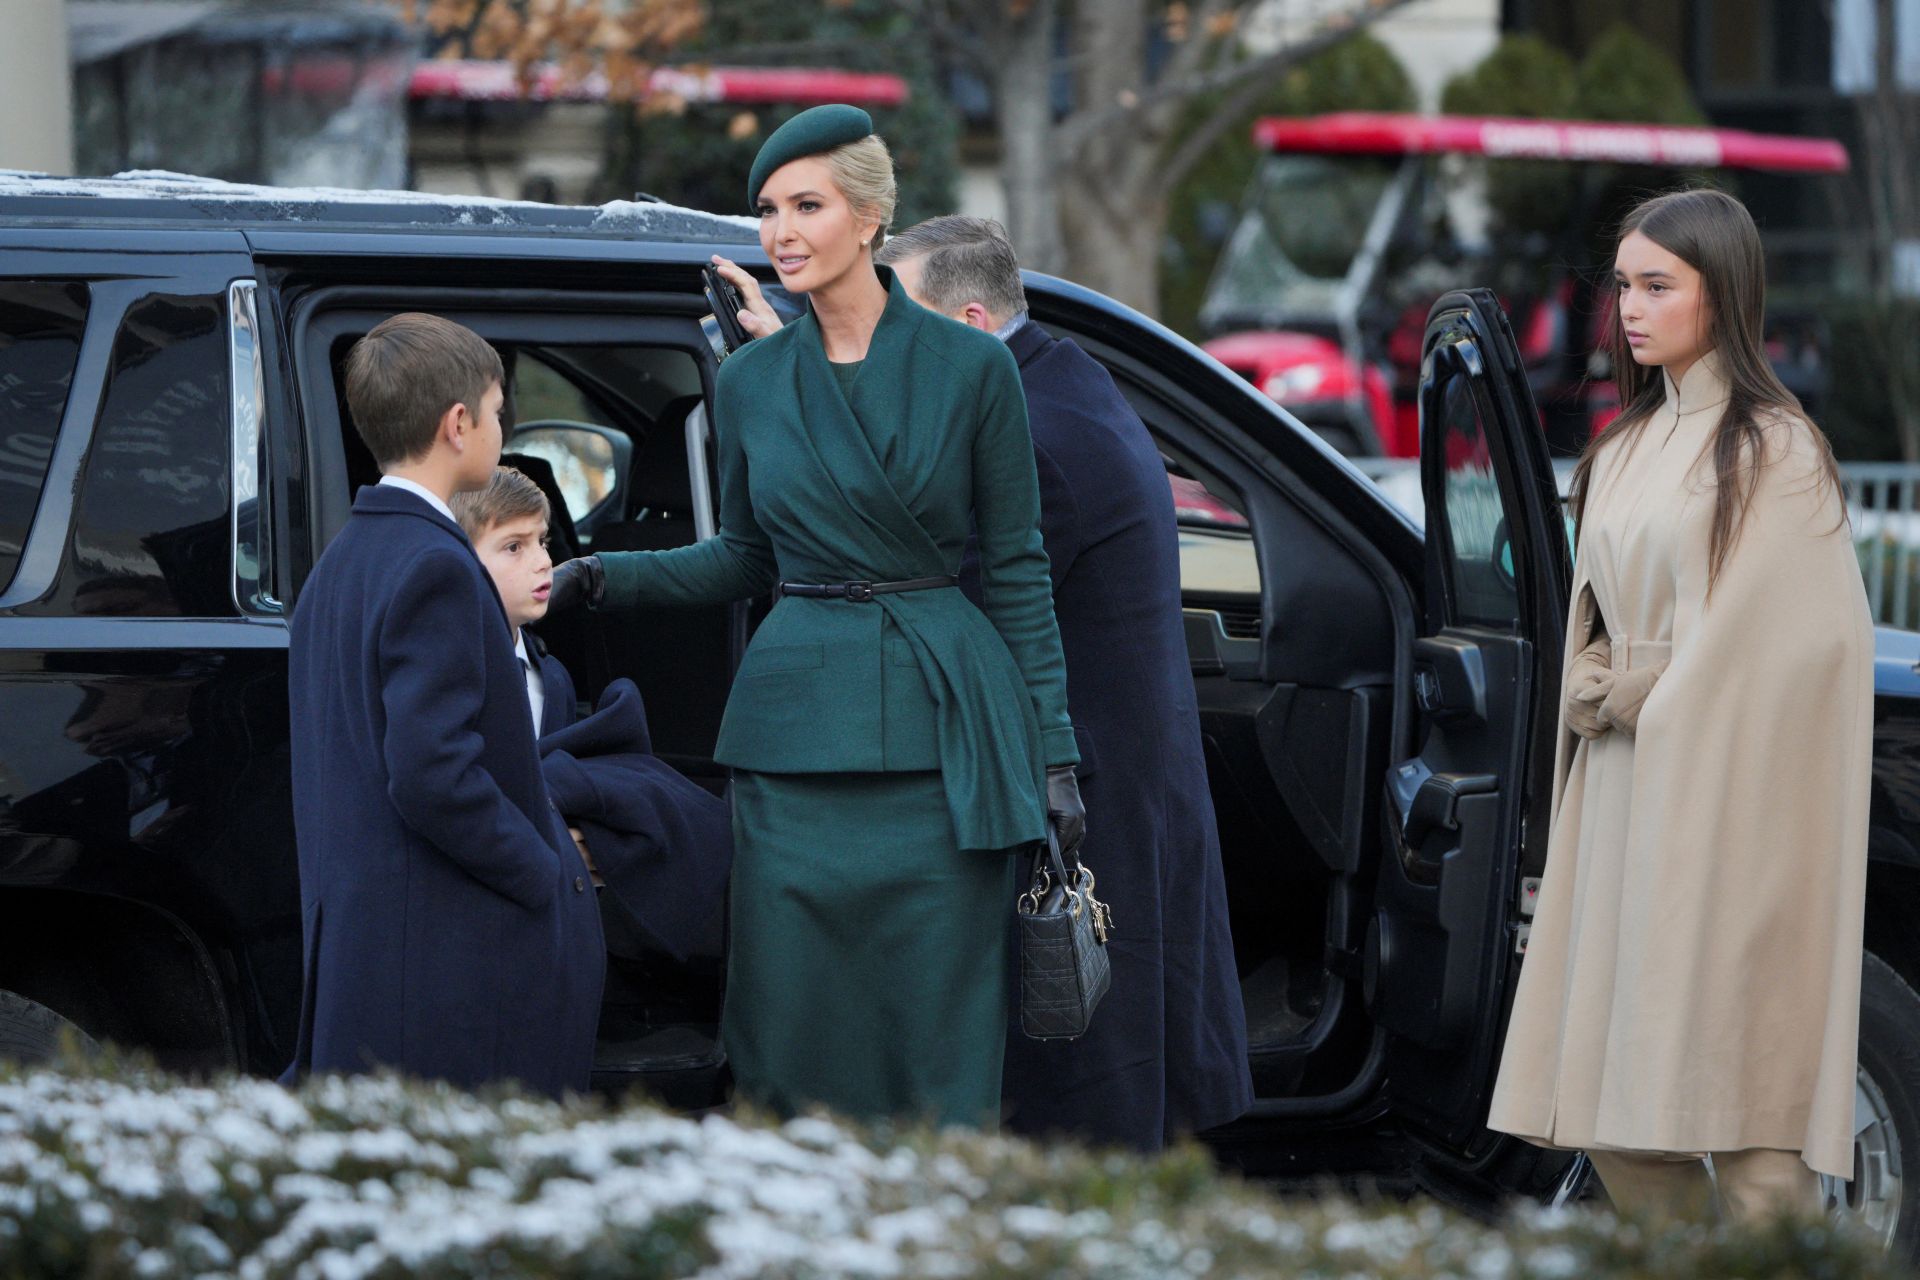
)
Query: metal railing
[{"x": 1883, "y": 505}]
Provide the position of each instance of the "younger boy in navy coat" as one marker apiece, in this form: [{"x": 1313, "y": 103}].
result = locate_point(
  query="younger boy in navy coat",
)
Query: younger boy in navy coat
[
  {"x": 448, "y": 925},
  {"x": 663, "y": 844}
]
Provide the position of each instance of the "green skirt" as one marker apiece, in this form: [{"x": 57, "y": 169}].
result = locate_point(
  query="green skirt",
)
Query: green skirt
[{"x": 868, "y": 960}]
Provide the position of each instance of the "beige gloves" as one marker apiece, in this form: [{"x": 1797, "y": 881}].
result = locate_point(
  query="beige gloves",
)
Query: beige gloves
[
  {"x": 1588, "y": 683},
  {"x": 1600, "y": 698},
  {"x": 1620, "y": 709}
]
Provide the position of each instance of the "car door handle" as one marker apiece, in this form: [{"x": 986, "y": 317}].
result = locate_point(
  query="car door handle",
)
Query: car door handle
[
  {"x": 1436, "y": 805},
  {"x": 1450, "y": 678}
]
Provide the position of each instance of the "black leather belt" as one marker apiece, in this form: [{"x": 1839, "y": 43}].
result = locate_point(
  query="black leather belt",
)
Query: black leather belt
[{"x": 861, "y": 592}]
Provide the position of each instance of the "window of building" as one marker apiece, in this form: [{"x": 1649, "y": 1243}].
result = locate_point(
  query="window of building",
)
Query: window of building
[
  {"x": 1857, "y": 41},
  {"x": 1745, "y": 49}
]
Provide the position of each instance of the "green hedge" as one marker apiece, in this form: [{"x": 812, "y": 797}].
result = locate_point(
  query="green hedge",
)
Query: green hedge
[
  {"x": 135, "y": 1175},
  {"x": 1624, "y": 77}
]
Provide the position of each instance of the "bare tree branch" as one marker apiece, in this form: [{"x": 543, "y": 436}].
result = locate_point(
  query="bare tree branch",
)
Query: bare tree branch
[
  {"x": 1191, "y": 57},
  {"x": 969, "y": 41},
  {"x": 578, "y": 35},
  {"x": 1159, "y": 102},
  {"x": 1194, "y": 146}
]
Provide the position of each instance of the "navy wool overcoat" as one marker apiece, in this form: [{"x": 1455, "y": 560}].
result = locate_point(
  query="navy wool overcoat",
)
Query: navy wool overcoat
[
  {"x": 449, "y": 928},
  {"x": 662, "y": 843},
  {"x": 1167, "y": 1051}
]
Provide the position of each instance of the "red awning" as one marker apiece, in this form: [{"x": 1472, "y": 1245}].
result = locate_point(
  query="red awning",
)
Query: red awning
[
  {"x": 474, "y": 80},
  {"x": 1383, "y": 134}
]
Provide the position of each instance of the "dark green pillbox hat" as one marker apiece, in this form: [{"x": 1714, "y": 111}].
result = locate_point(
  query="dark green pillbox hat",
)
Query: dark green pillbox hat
[{"x": 813, "y": 131}]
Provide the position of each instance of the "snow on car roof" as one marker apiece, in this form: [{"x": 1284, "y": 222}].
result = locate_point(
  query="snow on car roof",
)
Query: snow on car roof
[{"x": 158, "y": 192}]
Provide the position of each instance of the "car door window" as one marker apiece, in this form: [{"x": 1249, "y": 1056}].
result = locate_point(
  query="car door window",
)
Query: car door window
[
  {"x": 40, "y": 326},
  {"x": 151, "y": 531},
  {"x": 541, "y": 393},
  {"x": 1473, "y": 525},
  {"x": 611, "y": 422}
]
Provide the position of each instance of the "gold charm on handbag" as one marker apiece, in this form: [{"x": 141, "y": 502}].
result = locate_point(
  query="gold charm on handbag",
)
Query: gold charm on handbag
[{"x": 1102, "y": 917}]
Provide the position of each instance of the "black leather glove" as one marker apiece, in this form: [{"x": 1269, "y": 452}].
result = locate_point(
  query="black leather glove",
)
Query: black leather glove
[
  {"x": 1064, "y": 810},
  {"x": 576, "y": 580}
]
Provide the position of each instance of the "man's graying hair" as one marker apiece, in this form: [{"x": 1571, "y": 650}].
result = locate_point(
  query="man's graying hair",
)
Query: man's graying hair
[{"x": 967, "y": 260}]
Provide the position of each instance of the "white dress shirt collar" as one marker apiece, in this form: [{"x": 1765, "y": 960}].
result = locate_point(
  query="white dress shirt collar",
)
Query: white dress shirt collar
[
  {"x": 421, "y": 491},
  {"x": 536, "y": 687}
]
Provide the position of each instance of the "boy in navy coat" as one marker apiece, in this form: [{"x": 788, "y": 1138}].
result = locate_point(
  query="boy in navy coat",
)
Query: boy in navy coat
[
  {"x": 661, "y": 842},
  {"x": 448, "y": 925}
]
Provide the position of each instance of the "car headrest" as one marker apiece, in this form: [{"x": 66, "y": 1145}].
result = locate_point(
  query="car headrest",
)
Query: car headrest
[
  {"x": 563, "y": 540},
  {"x": 659, "y": 480}
]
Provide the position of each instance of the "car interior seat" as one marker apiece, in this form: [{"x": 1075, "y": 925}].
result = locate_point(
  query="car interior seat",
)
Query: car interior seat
[
  {"x": 679, "y": 657},
  {"x": 659, "y": 488}
]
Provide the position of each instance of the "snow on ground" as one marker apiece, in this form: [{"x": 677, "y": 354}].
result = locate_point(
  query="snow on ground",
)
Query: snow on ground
[{"x": 358, "y": 1178}]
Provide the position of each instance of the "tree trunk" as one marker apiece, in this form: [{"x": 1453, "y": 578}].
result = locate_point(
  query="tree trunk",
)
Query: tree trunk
[
  {"x": 1112, "y": 214},
  {"x": 1114, "y": 229},
  {"x": 1023, "y": 109},
  {"x": 1089, "y": 197}
]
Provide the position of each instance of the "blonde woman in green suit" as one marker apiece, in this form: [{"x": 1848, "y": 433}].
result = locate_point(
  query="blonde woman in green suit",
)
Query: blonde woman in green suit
[{"x": 895, "y": 747}]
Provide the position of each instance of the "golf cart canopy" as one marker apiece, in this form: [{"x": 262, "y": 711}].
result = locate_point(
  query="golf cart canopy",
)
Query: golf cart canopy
[
  {"x": 479, "y": 80},
  {"x": 1388, "y": 134}
]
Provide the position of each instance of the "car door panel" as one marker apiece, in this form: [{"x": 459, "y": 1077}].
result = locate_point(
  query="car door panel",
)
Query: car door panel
[
  {"x": 1320, "y": 746},
  {"x": 1442, "y": 948}
]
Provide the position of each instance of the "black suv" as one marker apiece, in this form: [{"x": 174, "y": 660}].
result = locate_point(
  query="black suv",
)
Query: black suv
[{"x": 175, "y": 451}]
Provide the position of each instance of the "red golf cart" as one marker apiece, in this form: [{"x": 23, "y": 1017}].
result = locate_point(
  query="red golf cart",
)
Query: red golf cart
[{"x": 1357, "y": 221}]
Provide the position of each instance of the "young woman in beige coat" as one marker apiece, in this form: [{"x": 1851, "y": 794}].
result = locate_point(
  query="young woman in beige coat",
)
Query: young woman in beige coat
[{"x": 1692, "y": 984}]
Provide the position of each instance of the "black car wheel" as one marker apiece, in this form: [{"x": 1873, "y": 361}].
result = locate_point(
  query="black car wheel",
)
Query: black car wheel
[
  {"x": 1886, "y": 1143},
  {"x": 32, "y": 1033}
]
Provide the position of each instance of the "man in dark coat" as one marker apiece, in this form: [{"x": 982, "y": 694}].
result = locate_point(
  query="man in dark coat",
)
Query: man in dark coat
[
  {"x": 448, "y": 926},
  {"x": 1167, "y": 1051}
]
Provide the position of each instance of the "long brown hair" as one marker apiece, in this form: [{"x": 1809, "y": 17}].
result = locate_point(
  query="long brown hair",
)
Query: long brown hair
[{"x": 1714, "y": 234}]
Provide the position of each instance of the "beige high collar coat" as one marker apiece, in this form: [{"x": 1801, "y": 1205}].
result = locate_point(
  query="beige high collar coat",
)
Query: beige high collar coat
[{"x": 1692, "y": 982}]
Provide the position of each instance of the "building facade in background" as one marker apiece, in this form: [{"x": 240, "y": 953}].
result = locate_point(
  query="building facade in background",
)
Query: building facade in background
[
  {"x": 312, "y": 96},
  {"x": 36, "y": 110}
]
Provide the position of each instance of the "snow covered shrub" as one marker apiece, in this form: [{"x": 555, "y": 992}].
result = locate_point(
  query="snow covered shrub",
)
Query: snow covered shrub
[{"x": 131, "y": 1174}]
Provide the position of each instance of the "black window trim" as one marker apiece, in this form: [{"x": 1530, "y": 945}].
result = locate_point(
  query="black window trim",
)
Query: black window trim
[{"x": 1465, "y": 348}]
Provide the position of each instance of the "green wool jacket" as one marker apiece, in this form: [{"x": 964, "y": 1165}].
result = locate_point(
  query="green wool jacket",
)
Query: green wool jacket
[{"x": 817, "y": 486}]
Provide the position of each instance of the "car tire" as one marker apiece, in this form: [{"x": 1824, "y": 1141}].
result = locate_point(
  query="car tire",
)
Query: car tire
[
  {"x": 1884, "y": 1195},
  {"x": 31, "y": 1033}
]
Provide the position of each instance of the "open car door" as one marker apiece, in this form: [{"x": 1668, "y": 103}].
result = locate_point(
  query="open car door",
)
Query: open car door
[{"x": 1465, "y": 827}]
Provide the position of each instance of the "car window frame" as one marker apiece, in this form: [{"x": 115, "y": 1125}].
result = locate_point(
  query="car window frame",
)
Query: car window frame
[{"x": 539, "y": 317}]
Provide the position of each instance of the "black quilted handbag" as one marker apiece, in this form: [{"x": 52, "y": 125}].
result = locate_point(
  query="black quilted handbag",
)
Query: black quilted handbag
[{"x": 1063, "y": 946}]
